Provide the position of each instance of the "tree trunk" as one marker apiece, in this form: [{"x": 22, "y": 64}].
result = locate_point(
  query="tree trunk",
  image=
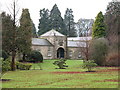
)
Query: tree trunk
[
  {"x": 13, "y": 61},
  {"x": 23, "y": 57}
]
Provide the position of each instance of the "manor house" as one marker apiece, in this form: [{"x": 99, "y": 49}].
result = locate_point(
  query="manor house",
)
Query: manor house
[{"x": 54, "y": 45}]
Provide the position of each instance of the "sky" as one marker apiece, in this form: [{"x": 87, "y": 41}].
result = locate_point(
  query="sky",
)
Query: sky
[{"x": 87, "y": 9}]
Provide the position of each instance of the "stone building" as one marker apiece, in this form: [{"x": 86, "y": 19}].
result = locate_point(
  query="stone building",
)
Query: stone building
[{"x": 54, "y": 45}]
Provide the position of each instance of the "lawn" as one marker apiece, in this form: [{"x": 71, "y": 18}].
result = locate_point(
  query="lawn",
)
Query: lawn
[{"x": 72, "y": 77}]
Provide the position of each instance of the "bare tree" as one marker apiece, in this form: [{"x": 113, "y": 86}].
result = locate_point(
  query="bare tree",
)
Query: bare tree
[
  {"x": 84, "y": 43},
  {"x": 14, "y": 12}
]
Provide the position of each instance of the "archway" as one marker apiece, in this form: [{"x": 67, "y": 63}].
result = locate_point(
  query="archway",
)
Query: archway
[{"x": 60, "y": 53}]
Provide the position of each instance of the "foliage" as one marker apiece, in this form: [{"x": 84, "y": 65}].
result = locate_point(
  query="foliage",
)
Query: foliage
[
  {"x": 112, "y": 20},
  {"x": 98, "y": 50},
  {"x": 23, "y": 66},
  {"x": 69, "y": 22},
  {"x": 6, "y": 65},
  {"x": 60, "y": 63},
  {"x": 112, "y": 59},
  {"x": 4, "y": 55},
  {"x": 56, "y": 21},
  {"x": 89, "y": 65},
  {"x": 35, "y": 56},
  {"x": 7, "y": 32},
  {"x": 99, "y": 27},
  {"x": 43, "y": 21},
  {"x": 34, "y": 33},
  {"x": 25, "y": 33}
]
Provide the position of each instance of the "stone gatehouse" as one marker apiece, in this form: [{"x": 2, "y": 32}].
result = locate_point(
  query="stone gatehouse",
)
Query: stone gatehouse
[{"x": 54, "y": 45}]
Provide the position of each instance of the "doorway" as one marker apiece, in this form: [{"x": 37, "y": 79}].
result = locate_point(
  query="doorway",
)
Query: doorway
[{"x": 60, "y": 53}]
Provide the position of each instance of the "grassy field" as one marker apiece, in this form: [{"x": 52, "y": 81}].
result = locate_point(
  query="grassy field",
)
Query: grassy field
[{"x": 72, "y": 77}]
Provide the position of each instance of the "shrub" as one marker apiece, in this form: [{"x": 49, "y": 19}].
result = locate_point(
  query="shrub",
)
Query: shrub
[
  {"x": 23, "y": 66},
  {"x": 4, "y": 55},
  {"x": 35, "y": 56},
  {"x": 98, "y": 50},
  {"x": 112, "y": 59},
  {"x": 61, "y": 63},
  {"x": 89, "y": 65},
  {"x": 6, "y": 65}
]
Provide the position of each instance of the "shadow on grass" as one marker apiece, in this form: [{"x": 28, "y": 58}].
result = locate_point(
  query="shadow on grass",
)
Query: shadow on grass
[{"x": 5, "y": 80}]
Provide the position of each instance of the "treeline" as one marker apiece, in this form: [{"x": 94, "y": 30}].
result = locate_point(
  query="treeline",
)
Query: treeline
[{"x": 53, "y": 20}]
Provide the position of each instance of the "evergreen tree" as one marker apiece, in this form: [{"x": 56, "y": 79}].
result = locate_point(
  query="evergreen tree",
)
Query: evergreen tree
[
  {"x": 34, "y": 33},
  {"x": 99, "y": 27},
  {"x": 43, "y": 21},
  {"x": 7, "y": 32},
  {"x": 25, "y": 33},
  {"x": 69, "y": 22},
  {"x": 56, "y": 21}
]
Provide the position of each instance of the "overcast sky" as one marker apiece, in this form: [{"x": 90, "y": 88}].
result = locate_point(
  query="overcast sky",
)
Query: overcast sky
[{"x": 81, "y": 8}]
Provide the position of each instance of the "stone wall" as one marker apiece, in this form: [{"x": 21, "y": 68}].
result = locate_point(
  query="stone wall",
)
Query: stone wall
[
  {"x": 46, "y": 51},
  {"x": 74, "y": 53}
]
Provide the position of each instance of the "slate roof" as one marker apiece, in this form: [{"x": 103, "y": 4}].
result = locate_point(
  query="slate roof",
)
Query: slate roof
[
  {"x": 79, "y": 38},
  {"x": 52, "y": 33},
  {"x": 41, "y": 42},
  {"x": 76, "y": 44}
]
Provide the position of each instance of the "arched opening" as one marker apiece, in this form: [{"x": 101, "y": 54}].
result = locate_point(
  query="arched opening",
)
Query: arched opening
[{"x": 60, "y": 53}]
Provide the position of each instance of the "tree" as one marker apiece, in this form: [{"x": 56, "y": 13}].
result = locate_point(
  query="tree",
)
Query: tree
[
  {"x": 7, "y": 32},
  {"x": 25, "y": 33},
  {"x": 56, "y": 21},
  {"x": 69, "y": 22},
  {"x": 99, "y": 26},
  {"x": 84, "y": 26},
  {"x": 43, "y": 21},
  {"x": 34, "y": 33},
  {"x": 112, "y": 20},
  {"x": 12, "y": 33}
]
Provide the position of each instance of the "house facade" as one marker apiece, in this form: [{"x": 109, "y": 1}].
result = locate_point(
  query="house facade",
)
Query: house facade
[{"x": 54, "y": 45}]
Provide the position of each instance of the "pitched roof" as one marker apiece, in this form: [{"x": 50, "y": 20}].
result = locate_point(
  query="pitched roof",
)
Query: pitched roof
[
  {"x": 41, "y": 42},
  {"x": 79, "y": 38},
  {"x": 52, "y": 33},
  {"x": 76, "y": 44}
]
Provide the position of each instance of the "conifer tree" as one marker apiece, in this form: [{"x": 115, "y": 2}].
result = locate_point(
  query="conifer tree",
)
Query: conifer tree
[
  {"x": 43, "y": 21},
  {"x": 69, "y": 22},
  {"x": 7, "y": 29},
  {"x": 56, "y": 21},
  {"x": 25, "y": 33},
  {"x": 99, "y": 26},
  {"x": 34, "y": 33}
]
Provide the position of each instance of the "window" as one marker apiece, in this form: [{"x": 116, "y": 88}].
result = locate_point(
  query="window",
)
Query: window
[
  {"x": 49, "y": 52},
  {"x": 70, "y": 53},
  {"x": 79, "y": 55}
]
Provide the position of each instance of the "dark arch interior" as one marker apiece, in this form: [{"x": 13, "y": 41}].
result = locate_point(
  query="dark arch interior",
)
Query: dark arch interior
[{"x": 60, "y": 53}]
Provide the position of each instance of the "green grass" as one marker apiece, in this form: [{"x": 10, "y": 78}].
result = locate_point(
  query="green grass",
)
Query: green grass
[{"x": 47, "y": 79}]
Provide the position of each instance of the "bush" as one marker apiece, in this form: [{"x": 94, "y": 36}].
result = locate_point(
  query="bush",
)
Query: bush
[
  {"x": 89, "y": 65},
  {"x": 35, "y": 56},
  {"x": 23, "y": 66},
  {"x": 98, "y": 50},
  {"x": 112, "y": 59},
  {"x": 61, "y": 63},
  {"x": 6, "y": 65}
]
